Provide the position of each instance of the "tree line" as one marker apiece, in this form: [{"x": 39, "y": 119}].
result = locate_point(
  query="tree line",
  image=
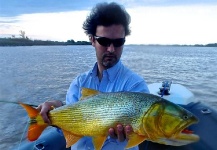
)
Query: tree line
[
  {"x": 28, "y": 42},
  {"x": 23, "y": 40}
]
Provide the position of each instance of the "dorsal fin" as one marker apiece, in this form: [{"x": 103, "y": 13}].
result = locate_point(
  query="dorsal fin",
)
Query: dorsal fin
[{"x": 86, "y": 92}]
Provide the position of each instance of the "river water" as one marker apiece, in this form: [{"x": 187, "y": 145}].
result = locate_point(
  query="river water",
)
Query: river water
[{"x": 38, "y": 73}]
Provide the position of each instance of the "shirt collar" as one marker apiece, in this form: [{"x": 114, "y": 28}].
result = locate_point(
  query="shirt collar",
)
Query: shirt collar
[{"x": 110, "y": 73}]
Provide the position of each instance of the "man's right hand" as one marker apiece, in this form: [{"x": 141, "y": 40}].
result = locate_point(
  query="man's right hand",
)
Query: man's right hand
[
  {"x": 45, "y": 107},
  {"x": 120, "y": 133}
]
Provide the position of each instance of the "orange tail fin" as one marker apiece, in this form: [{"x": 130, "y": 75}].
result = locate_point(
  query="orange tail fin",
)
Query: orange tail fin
[{"x": 36, "y": 123}]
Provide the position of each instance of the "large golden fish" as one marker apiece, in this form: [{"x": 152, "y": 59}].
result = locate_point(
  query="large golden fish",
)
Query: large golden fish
[{"x": 151, "y": 117}]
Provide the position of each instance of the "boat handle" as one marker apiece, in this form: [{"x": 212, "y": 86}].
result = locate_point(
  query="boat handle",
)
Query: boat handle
[{"x": 206, "y": 111}]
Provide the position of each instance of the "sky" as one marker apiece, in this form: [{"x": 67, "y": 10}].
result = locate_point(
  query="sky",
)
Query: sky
[{"x": 152, "y": 21}]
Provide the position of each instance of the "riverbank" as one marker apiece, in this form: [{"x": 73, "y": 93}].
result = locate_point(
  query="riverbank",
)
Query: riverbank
[{"x": 28, "y": 42}]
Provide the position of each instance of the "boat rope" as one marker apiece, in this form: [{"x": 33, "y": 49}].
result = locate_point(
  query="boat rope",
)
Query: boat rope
[
  {"x": 22, "y": 137},
  {"x": 4, "y": 101},
  {"x": 25, "y": 129}
]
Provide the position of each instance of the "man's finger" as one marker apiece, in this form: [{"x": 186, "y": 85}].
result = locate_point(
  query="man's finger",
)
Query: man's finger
[
  {"x": 39, "y": 107},
  {"x": 128, "y": 130},
  {"x": 112, "y": 133},
  {"x": 120, "y": 133},
  {"x": 44, "y": 112}
]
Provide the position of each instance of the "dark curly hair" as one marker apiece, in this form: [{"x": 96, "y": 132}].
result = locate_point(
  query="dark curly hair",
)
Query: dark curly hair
[{"x": 106, "y": 14}]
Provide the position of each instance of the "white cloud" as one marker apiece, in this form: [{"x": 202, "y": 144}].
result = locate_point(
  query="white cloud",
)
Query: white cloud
[
  {"x": 50, "y": 26},
  {"x": 174, "y": 25}
]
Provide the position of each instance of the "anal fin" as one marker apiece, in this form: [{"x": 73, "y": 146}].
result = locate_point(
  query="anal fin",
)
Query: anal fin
[
  {"x": 70, "y": 138},
  {"x": 98, "y": 142},
  {"x": 135, "y": 139}
]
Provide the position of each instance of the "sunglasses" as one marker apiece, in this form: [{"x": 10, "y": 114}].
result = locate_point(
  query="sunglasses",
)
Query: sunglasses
[{"x": 107, "y": 42}]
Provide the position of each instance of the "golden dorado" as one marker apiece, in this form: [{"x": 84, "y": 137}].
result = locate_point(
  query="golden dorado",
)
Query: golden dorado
[{"x": 151, "y": 117}]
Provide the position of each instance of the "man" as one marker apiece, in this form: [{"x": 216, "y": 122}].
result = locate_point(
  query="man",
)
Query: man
[{"x": 107, "y": 26}]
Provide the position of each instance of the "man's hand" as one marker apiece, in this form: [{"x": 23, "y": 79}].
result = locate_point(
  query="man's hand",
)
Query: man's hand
[
  {"x": 45, "y": 107},
  {"x": 121, "y": 133}
]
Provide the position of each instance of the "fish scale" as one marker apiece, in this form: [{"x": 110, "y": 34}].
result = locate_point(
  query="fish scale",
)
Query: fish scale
[{"x": 100, "y": 112}]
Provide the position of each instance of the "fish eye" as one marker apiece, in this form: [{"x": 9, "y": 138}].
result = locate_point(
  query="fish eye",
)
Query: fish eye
[{"x": 185, "y": 117}]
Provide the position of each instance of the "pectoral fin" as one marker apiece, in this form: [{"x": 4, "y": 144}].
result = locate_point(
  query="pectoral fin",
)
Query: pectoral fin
[
  {"x": 134, "y": 139},
  {"x": 70, "y": 138},
  {"x": 98, "y": 142}
]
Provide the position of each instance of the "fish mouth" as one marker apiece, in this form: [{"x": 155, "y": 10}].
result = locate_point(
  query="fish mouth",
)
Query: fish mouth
[
  {"x": 184, "y": 136},
  {"x": 180, "y": 140}
]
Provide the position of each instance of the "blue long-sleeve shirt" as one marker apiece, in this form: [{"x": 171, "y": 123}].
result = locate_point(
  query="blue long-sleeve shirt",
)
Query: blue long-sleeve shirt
[{"x": 115, "y": 79}]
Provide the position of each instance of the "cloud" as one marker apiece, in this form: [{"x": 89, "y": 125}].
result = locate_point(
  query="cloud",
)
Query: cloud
[
  {"x": 15, "y": 8},
  {"x": 174, "y": 25},
  {"x": 19, "y": 7},
  {"x": 60, "y": 26}
]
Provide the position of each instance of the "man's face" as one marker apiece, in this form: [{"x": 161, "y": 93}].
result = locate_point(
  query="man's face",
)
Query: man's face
[{"x": 108, "y": 56}]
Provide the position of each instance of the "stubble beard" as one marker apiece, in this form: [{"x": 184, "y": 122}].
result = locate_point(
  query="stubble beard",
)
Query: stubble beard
[{"x": 109, "y": 61}]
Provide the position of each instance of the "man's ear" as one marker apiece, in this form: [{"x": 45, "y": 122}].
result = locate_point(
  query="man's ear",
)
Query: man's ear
[{"x": 92, "y": 40}]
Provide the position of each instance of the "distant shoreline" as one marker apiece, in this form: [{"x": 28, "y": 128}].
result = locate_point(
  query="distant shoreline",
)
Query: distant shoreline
[
  {"x": 184, "y": 45},
  {"x": 28, "y": 42}
]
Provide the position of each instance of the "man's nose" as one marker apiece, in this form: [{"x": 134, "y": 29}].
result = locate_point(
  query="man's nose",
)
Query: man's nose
[{"x": 111, "y": 48}]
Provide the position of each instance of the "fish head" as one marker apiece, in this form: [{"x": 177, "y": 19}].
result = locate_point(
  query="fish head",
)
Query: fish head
[{"x": 166, "y": 123}]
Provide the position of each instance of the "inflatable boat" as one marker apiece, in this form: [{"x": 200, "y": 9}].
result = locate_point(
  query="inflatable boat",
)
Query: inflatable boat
[{"x": 51, "y": 139}]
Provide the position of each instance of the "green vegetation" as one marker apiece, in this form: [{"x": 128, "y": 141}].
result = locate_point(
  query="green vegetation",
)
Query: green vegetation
[
  {"x": 207, "y": 45},
  {"x": 28, "y": 42},
  {"x": 195, "y": 45},
  {"x": 23, "y": 40}
]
